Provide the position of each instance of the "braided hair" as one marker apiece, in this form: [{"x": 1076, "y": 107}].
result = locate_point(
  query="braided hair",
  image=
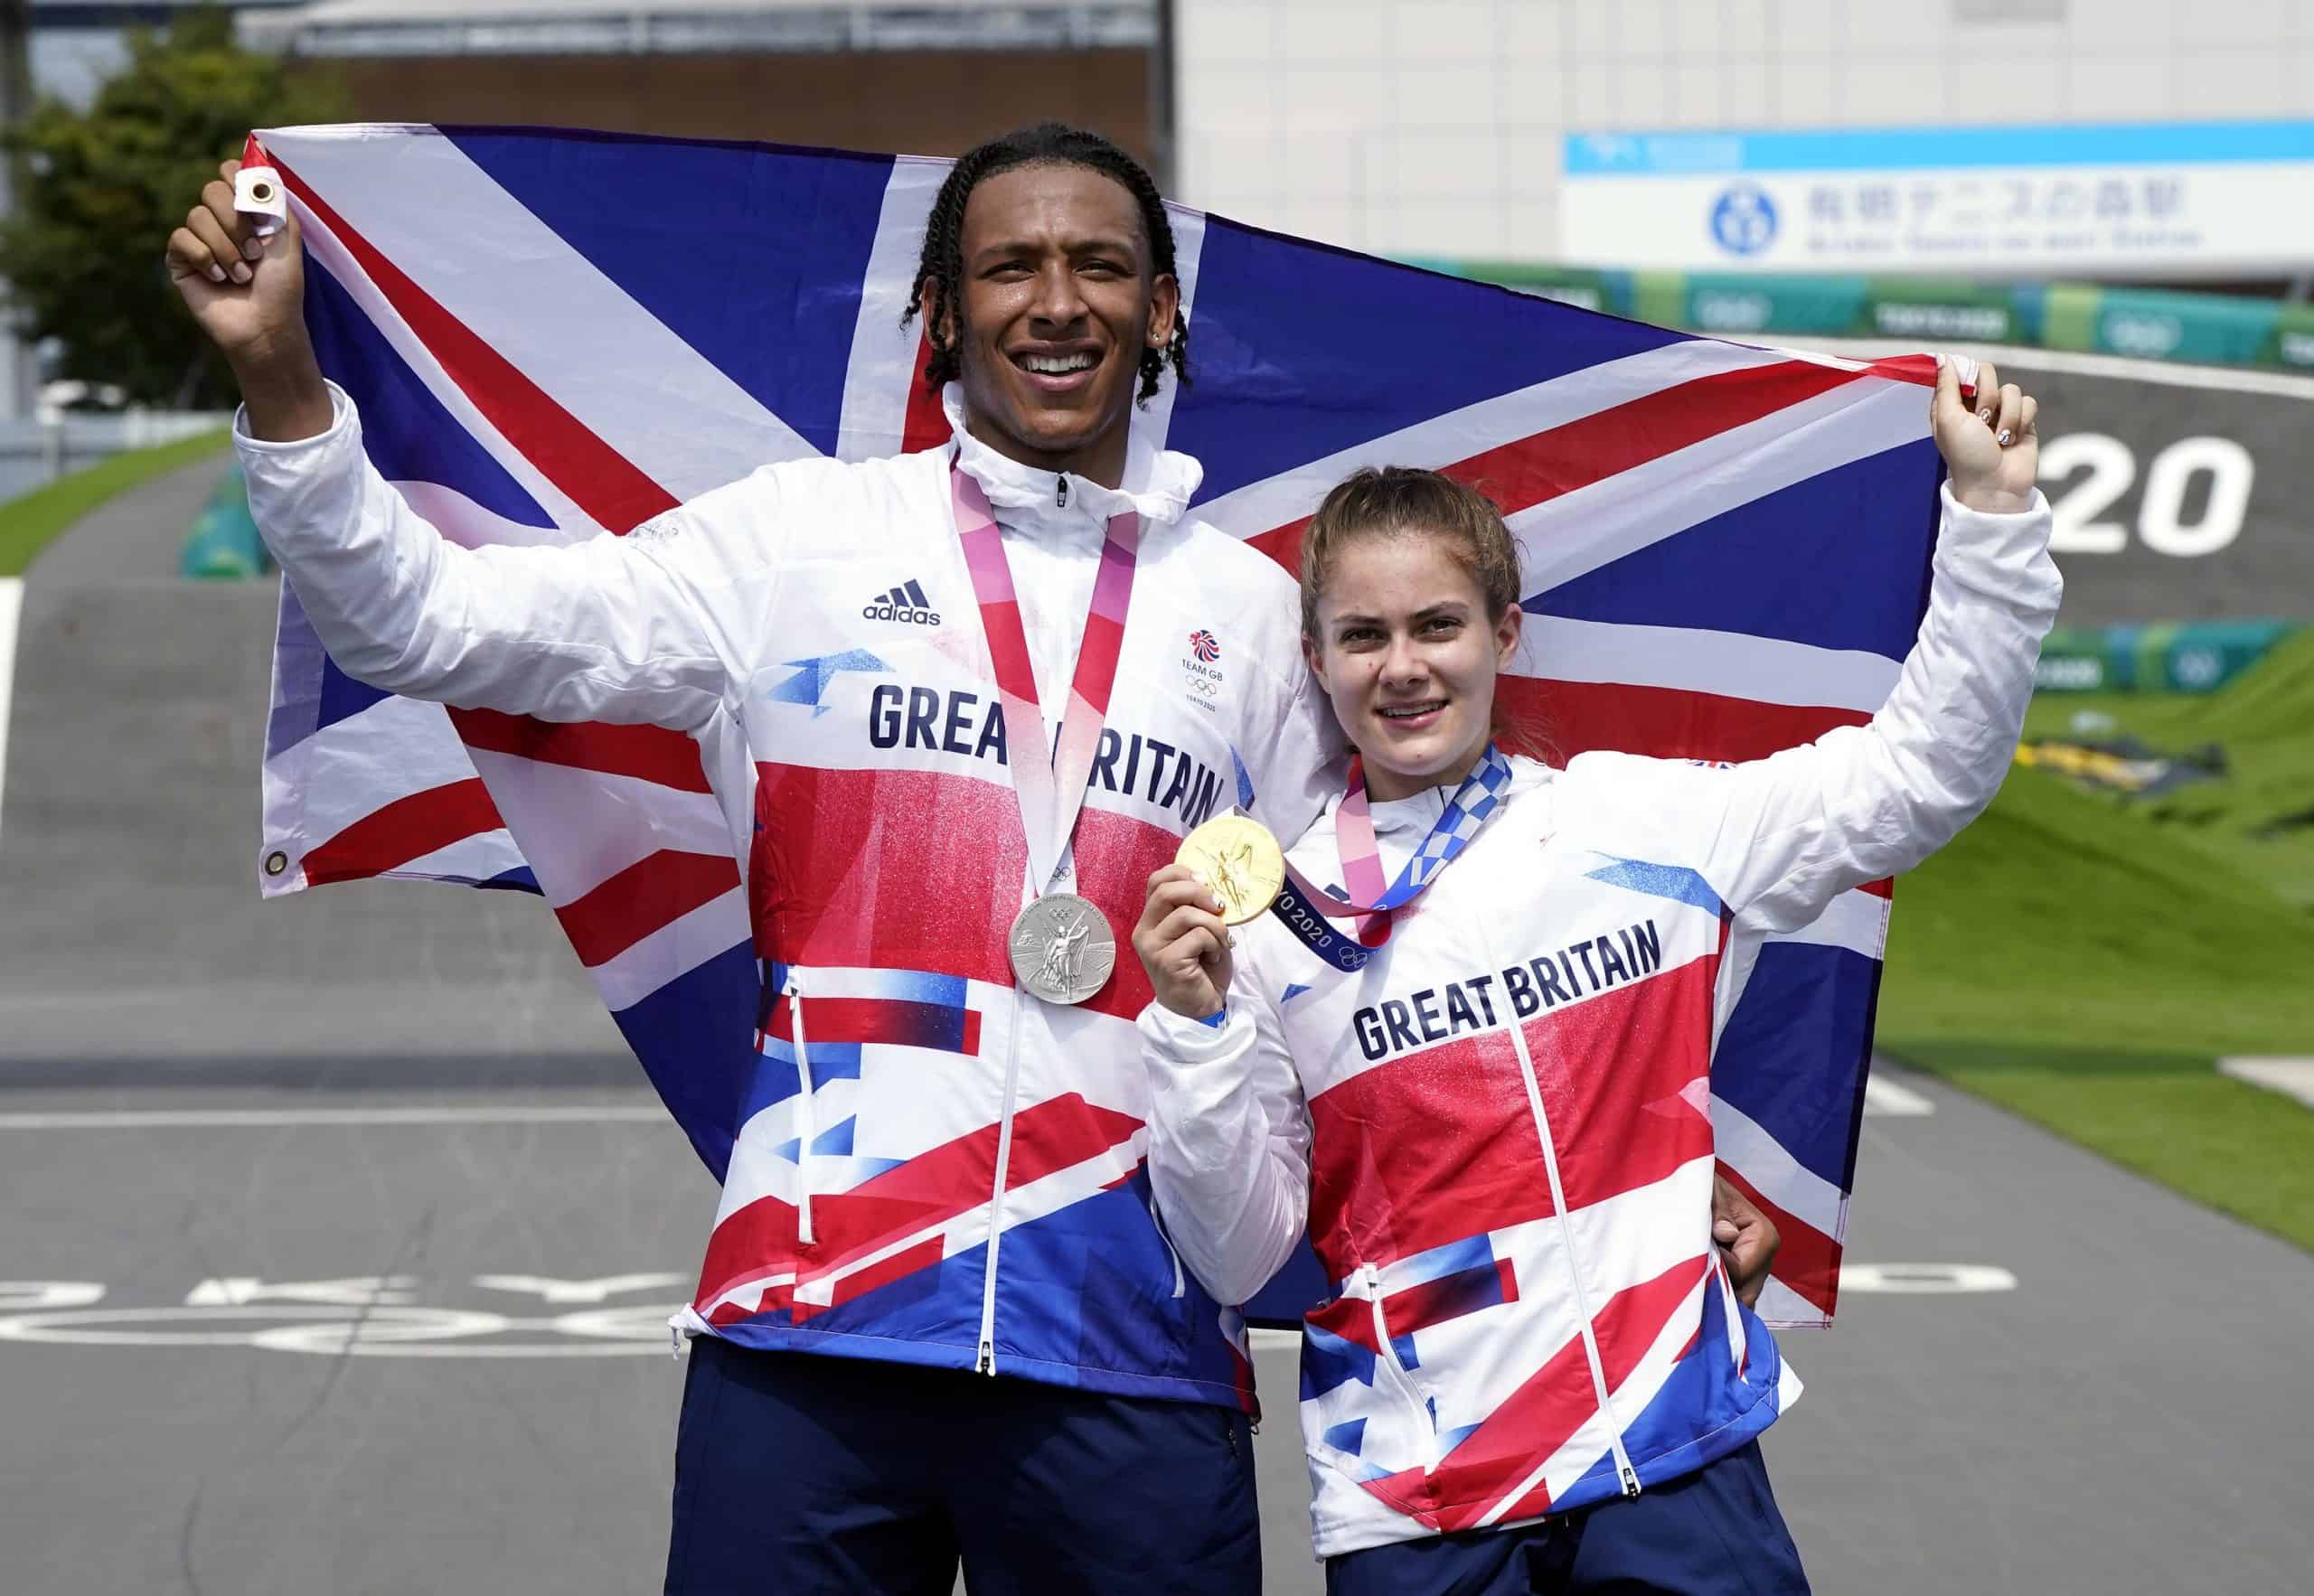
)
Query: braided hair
[{"x": 941, "y": 266}]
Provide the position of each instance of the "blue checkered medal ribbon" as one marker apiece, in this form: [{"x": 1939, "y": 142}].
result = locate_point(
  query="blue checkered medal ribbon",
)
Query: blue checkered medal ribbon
[{"x": 1305, "y": 908}]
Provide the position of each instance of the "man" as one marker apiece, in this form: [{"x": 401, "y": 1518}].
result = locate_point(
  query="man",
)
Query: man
[{"x": 937, "y": 1175}]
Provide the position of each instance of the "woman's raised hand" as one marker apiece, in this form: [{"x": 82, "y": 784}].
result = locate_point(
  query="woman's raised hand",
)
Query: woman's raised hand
[
  {"x": 1992, "y": 453},
  {"x": 1183, "y": 945}
]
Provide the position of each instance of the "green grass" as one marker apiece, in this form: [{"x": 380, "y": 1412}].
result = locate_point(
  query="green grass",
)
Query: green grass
[
  {"x": 2265, "y": 722},
  {"x": 28, "y": 521},
  {"x": 2084, "y": 964}
]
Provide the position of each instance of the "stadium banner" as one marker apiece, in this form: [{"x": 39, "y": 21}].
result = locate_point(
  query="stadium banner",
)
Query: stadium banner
[
  {"x": 2166, "y": 656},
  {"x": 2150, "y": 323},
  {"x": 2143, "y": 323},
  {"x": 2103, "y": 198},
  {"x": 2292, "y": 342},
  {"x": 2179, "y": 496}
]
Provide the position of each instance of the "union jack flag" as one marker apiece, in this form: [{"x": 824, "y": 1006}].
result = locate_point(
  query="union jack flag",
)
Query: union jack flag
[{"x": 551, "y": 334}]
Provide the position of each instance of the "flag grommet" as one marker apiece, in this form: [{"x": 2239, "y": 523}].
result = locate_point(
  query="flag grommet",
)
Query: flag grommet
[{"x": 276, "y": 862}]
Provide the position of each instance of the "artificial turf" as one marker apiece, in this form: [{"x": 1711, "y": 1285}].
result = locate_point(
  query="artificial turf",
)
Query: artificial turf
[{"x": 2085, "y": 962}]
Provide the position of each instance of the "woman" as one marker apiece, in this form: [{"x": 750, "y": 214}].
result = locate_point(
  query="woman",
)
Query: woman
[{"x": 1489, "y": 1100}]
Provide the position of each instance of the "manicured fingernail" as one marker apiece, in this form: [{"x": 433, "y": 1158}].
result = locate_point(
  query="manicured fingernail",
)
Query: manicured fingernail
[
  {"x": 216, "y": 271},
  {"x": 1985, "y": 415},
  {"x": 250, "y": 249},
  {"x": 241, "y": 274},
  {"x": 2005, "y": 436}
]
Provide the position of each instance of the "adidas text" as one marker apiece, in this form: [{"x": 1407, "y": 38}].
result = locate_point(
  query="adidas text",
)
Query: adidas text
[{"x": 905, "y": 602}]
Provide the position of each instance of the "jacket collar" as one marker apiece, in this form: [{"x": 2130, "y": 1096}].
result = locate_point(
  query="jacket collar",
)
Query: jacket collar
[
  {"x": 1157, "y": 483},
  {"x": 1411, "y": 818},
  {"x": 1406, "y": 821}
]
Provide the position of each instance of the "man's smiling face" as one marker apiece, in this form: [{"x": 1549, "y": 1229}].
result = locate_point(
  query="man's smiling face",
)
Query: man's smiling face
[{"x": 1058, "y": 302}]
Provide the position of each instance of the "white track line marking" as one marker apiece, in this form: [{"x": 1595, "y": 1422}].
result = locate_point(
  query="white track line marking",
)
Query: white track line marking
[
  {"x": 2292, "y": 1077},
  {"x": 231, "y": 1119},
  {"x": 12, "y": 599},
  {"x": 1886, "y": 1097},
  {"x": 1925, "y": 1279}
]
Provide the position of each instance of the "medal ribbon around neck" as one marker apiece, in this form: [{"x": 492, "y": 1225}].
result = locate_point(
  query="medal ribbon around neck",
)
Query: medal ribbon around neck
[
  {"x": 1368, "y": 902},
  {"x": 1050, "y": 794}
]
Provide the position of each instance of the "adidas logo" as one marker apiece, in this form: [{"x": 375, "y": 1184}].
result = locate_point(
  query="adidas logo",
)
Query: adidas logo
[{"x": 904, "y": 603}]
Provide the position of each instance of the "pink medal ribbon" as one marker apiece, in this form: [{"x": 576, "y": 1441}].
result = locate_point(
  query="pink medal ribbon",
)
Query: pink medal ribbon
[
  {"x": 1369, "y": 903},
  {"x": 1362, "y": 860},
  {"x": 1050, "y": 794}
]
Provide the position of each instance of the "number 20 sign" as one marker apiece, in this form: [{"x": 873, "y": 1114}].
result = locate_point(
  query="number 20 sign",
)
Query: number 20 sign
[{"x": 2107, "y": 468}]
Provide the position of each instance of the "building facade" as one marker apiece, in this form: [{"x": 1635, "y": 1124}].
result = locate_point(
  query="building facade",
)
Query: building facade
[{"x": 1478, "y": 129}]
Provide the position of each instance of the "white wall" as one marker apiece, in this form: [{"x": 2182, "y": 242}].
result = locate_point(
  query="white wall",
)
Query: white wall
[{"x": 1434, "y": 127}]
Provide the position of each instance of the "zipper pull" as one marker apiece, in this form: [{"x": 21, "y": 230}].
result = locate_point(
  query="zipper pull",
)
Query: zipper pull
[
  {"x": 987, "y": 1364},
  {"x": 1060, "y": 497},
  {"x": 1631, "y": 1481}
]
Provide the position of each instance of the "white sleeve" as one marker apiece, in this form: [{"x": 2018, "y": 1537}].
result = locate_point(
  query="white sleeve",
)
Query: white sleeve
[
  {"x": 1778, "y": 838},
  {"x": 617, "y": 629},
  {"x": 1229, "y": 1142}
]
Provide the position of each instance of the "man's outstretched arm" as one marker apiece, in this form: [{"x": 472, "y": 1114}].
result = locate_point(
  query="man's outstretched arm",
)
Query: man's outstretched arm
[{"x": 609, "y": 629}]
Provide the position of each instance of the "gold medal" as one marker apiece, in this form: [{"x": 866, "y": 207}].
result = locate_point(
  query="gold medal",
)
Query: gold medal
[{"x": 1237, "y": 858}]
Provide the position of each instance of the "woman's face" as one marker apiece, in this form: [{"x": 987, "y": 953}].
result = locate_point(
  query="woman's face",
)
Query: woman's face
[{"x": 1408, "y": 653}]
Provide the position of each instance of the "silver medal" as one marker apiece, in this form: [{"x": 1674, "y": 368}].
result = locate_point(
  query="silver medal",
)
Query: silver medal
[{"x": 1062, "y": 948}]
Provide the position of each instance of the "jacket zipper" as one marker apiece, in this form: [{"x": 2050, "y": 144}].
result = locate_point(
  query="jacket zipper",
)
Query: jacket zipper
[
  {"x": 1624, "y": 1470},
  {"x": 804, "y": 1112},
  {"x": 1424, "y": 1419},
  {"x": 1181, "y": 1281},
  {"x": 986, "y": 1361},
  {"x": 1061, "y": 491}
]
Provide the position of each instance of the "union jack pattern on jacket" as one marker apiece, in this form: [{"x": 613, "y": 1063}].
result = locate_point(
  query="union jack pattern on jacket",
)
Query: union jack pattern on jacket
[
  {"x": 549, "y": 335},
  {"x": 1499, "y": 1128}
]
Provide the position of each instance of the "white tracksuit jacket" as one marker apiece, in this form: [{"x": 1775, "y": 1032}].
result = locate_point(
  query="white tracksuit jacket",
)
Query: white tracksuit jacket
[
  {"x": 929, "y": 1167},
  {"x": 1498, "y": 1130}
]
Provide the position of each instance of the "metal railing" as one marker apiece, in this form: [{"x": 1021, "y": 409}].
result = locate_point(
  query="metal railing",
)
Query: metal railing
[{"x": 33, "y": 453}]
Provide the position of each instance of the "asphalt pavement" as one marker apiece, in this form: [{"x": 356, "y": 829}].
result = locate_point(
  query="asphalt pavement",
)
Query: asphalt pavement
[
  {"x": 138, "y": 533},
  {"x": 286, "y": 1337},
  {"x": 131, "y": 931}
]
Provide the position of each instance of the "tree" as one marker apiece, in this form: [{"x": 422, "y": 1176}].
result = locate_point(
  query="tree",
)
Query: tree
[{"x": 102, "y": 190}]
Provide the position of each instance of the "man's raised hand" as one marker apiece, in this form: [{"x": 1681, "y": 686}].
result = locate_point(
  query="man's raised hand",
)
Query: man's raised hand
[{"x": 248, "y": 295}]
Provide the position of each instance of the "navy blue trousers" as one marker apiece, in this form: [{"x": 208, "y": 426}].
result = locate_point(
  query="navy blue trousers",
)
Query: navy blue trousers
[
  {"x": 1716, "y": 1532},
  {"x": 796, "y": 1473}
]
